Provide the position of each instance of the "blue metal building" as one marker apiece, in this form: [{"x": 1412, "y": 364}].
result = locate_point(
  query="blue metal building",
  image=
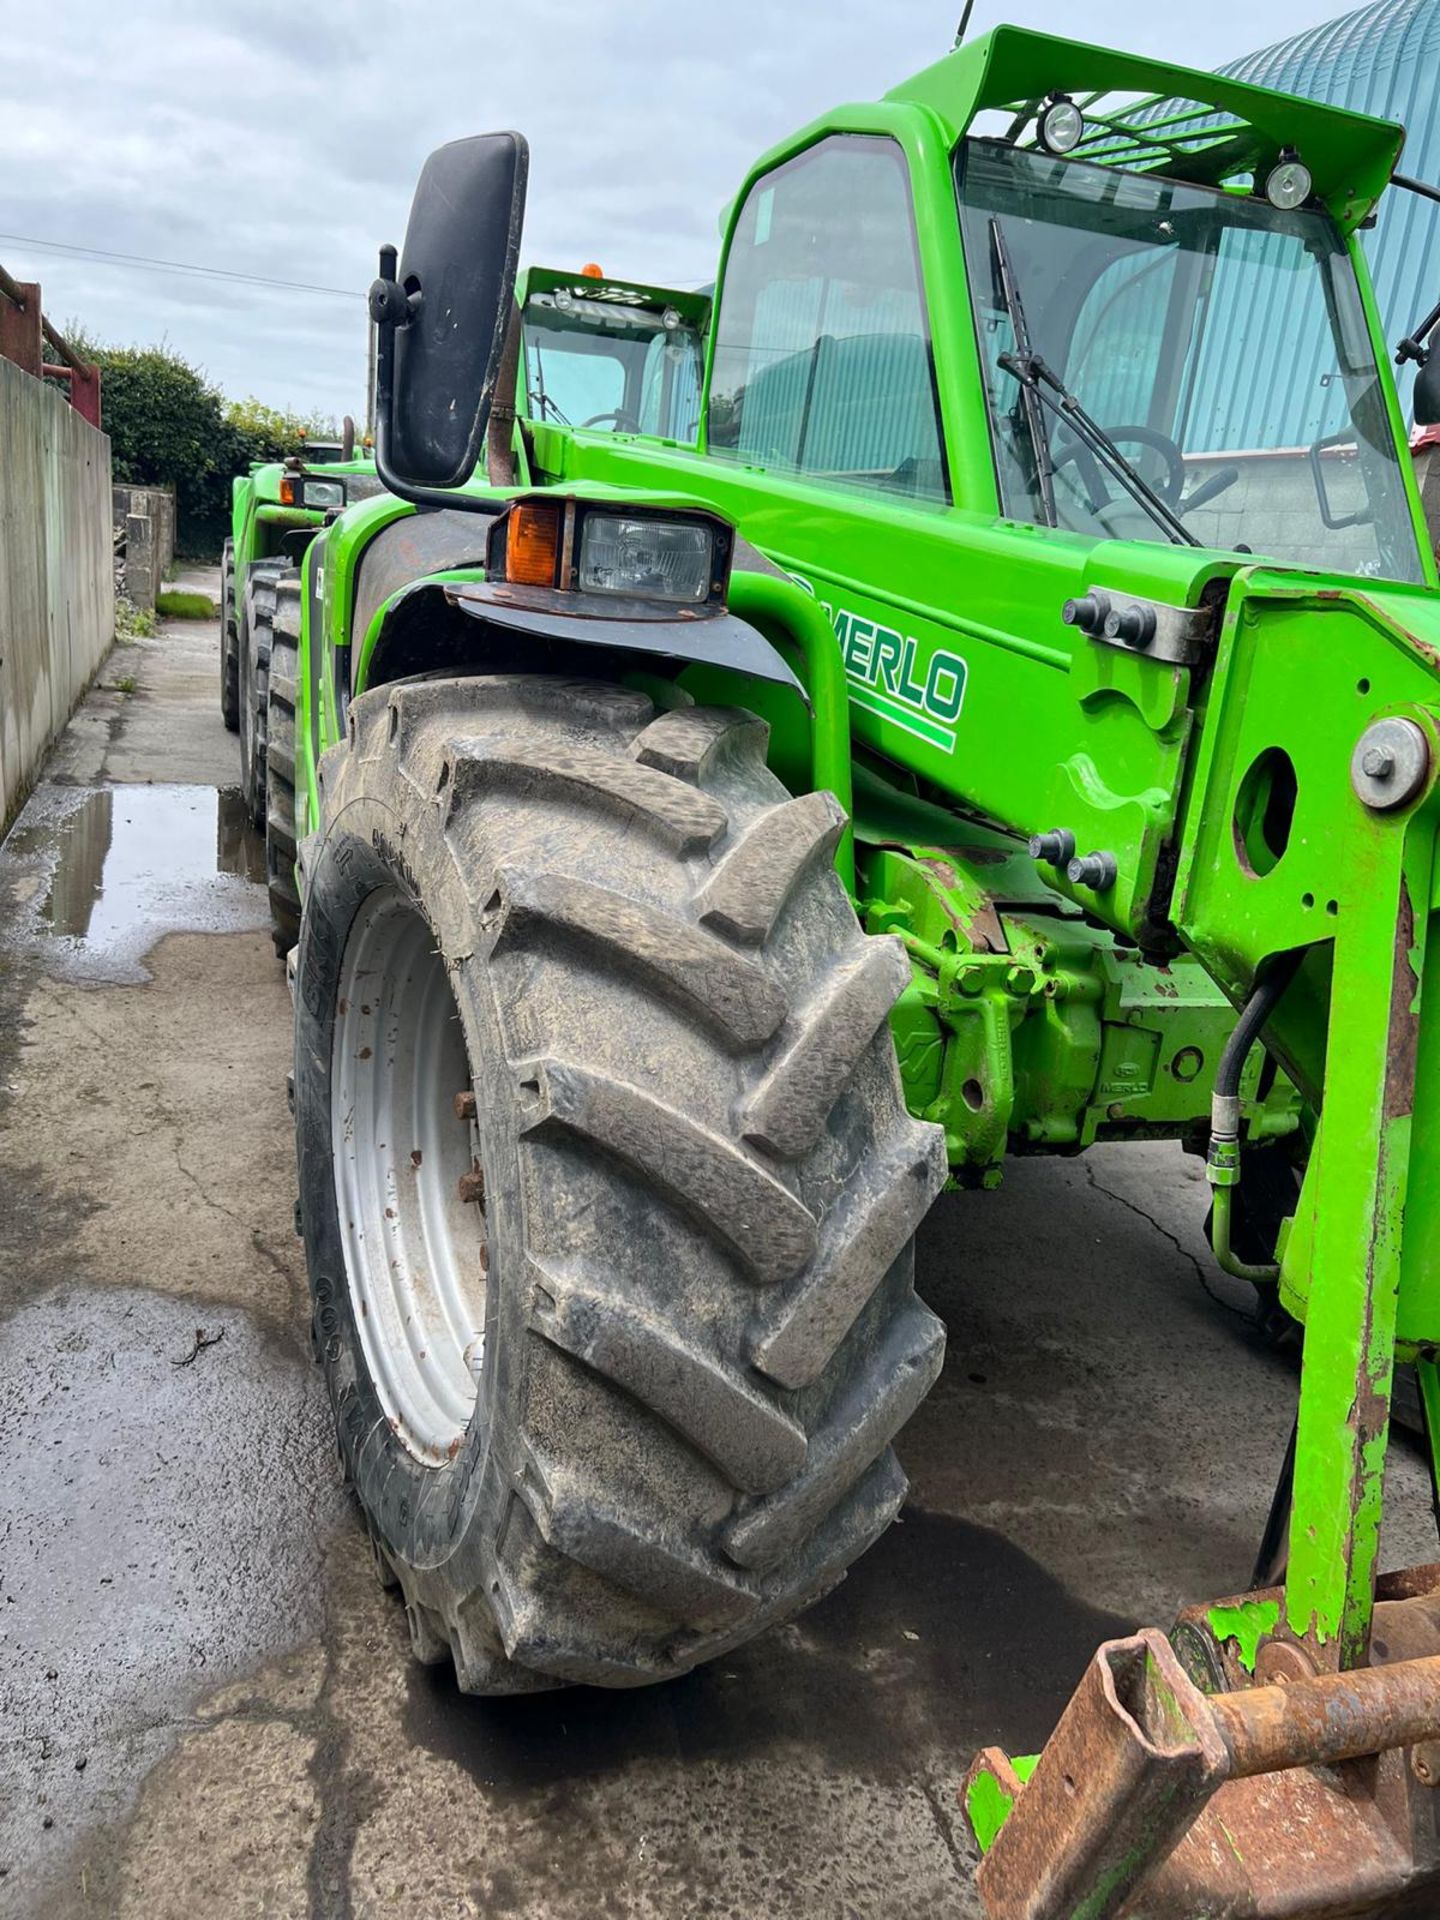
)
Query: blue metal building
[{"x": 1382, "y": 59}]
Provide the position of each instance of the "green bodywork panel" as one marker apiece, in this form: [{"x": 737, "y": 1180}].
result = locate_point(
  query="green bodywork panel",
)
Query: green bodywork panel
[
  {"x": 955, "y": 714},
  {"x": 989, "y": 1803},
  {"x": 258, "y": 520},
  {"x": 1247, "y": 1625},
  {"x": 1027, "y": 1027}
]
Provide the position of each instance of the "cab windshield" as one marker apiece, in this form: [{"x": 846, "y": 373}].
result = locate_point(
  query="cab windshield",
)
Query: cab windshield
[
  {"x": 1221, "y": 345},
  {"x": 613, "y": 365}
]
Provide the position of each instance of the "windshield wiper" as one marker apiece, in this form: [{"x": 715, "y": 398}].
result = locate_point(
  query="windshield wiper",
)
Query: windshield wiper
[
  {"x": 1029, "y": 393},
  {"x": 548, "y": 408},
  {"x": 1042, "y": 386}
]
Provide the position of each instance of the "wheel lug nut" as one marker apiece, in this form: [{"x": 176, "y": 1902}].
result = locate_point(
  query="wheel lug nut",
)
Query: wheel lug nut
[
  {"x": 471, "y": 1187},
  {"x": 465, "y": 1105}
]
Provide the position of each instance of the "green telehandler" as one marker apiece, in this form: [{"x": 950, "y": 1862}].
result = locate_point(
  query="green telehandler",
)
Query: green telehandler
[
  {"x": 997, "y": 711},
  {"x": 276, "y": 508}
]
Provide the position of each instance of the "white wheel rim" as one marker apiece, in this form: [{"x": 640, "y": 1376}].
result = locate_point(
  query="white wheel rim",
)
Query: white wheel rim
[{"x": 415, "y": 1252}]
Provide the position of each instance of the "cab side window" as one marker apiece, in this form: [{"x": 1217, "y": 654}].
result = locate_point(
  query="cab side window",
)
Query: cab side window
[{"x": 822, "y": 351}]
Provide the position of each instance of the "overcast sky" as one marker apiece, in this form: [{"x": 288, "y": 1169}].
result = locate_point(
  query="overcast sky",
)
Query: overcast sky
[{"x": 284, "y": 140}]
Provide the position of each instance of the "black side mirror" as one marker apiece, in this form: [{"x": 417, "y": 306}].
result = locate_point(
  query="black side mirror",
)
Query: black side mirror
[
  {"x": 443, "y": 315},
  {"x": 1427, "y": 392}
]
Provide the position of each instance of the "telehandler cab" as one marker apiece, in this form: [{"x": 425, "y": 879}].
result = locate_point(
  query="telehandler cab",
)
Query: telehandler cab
[{"x": 1004, "y": 722}]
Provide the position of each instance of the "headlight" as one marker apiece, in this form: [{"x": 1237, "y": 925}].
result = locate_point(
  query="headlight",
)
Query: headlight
[
  {"x": 1061, "y": 125},
  {"x": 1288, "y": 183},
  {"x": 651, "y": 559},
  {"x": 322, "y": 493},
  {"x": 567, "y": 546}
]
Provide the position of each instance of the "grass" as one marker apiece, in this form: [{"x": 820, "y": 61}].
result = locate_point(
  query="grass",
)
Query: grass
[
  {"x": 132, "y": 623},
  {"x": 185, "y": 606},
  {"x": 123, "y": 683}
]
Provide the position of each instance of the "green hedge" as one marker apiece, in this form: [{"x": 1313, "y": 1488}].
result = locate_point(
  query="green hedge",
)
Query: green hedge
[{"x": 169, "y": 427}]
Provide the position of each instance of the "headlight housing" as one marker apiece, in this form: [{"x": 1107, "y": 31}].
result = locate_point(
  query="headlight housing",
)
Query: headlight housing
[
  {"x": 674, "y": 559},
  {"x": 646, "y": 559},
  {"x": 322, "y": 493},
  {"x": 1060, "y": 125},
  {"x": 1288, "y": 184}
]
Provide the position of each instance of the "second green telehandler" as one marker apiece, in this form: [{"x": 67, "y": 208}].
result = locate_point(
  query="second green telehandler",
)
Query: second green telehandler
[{"x": 277, "y": 507}]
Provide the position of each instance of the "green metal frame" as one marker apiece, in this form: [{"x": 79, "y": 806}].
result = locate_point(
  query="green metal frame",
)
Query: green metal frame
[
  {"x": 1043, "y": 1015},
  {"x": 258, "y": 520}
]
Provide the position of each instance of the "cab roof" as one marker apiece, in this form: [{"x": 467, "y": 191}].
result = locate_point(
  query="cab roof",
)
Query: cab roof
[{"x": 1145, "y": 115}]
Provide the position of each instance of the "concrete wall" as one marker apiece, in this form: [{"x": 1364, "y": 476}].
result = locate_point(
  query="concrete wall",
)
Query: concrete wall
[
  {"x": 144, "y": 541},
  {"x": 57, "y": 588},
  {"x": 1273, "y": 507}
]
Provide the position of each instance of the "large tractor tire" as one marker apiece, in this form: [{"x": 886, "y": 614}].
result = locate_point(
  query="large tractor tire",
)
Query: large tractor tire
[
  {"x": 257, "y": 619},
  {"x": 280, "y": 847},
  {"x": 229, "y": 641},
  {"x": 607, "y": 1183}
]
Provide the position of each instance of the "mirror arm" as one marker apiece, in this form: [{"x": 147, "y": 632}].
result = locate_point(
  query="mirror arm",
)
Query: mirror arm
[
  {"x": 500, "y": 463},
  {"x": 1412, "y": 185},
  {"x": 1413, "y": 346},
  {"x": 391, "y": 308}
]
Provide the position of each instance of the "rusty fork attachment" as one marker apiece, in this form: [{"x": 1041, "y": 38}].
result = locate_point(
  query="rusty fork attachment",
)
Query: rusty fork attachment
[{"x": 1298, "y": 1793}]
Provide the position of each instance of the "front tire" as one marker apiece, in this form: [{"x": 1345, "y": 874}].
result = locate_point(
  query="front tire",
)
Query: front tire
[
  {"x": 229, "y": 642},
  {"x": 617, "y": 1344},
  {"x": 257, "y": 619},
  {"x": 280, "y": 763}
]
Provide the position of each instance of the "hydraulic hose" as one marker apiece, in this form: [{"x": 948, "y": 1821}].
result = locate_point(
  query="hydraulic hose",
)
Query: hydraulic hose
[
  {"x": 1222, "y": 1165},
  {"x": 1225, "y": 1259}
]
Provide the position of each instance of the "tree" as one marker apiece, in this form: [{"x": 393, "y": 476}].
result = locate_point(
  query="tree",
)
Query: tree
[
  {"x": 275, "y": 432},
  {"x": 169, "y": 427}
]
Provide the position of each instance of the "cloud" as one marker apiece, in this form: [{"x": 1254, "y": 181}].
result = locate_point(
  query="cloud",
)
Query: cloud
[{"x": 284, "y": 140}]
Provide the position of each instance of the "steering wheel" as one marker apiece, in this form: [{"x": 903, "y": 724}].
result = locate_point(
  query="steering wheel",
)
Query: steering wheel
[
  {"x": 624, "y": 419},
  {"x": 1169, "y": 489}
]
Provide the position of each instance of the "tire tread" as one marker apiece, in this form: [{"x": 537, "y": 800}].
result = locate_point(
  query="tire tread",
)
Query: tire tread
[{"x": 757, "y": 1391}]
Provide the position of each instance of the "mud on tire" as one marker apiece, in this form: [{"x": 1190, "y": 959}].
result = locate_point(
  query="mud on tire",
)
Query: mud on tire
[
  {"x": 229, "y": 641},
  {"x": 697, "y": 1179},
  {"x": 257, "y": 616},
  {"x": 280, "y": 845}
]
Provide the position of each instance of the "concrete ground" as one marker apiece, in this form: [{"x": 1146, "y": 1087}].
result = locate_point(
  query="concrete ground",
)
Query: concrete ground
[{"x": 208, "y": 1706}]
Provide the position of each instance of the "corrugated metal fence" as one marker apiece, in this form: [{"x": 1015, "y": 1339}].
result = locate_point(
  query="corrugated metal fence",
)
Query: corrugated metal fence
[{"x": 1385, "y": 60}]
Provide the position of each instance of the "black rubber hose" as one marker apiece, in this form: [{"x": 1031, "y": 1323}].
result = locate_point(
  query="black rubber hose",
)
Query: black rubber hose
[
  {"x": 1222, "y": 1162},
  {"x": 1264, "y": 997}
]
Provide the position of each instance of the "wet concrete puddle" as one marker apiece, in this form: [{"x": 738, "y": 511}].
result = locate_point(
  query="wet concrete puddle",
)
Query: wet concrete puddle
[
  {"x": 168, "y": 1493},
  {"x": 122, "y": 1603},
  {"x": 99, "y": 875}
]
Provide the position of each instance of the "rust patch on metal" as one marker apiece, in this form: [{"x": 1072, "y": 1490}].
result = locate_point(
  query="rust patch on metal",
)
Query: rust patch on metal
[
  {"x": 1318, "y": 1803},
  {"x": 982, "y": 930},
  {"x": 1403, "y": 1041}
]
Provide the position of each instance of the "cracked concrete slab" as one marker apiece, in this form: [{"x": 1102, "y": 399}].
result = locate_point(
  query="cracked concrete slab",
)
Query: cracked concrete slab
[{"x": 187, "y": 1600}]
